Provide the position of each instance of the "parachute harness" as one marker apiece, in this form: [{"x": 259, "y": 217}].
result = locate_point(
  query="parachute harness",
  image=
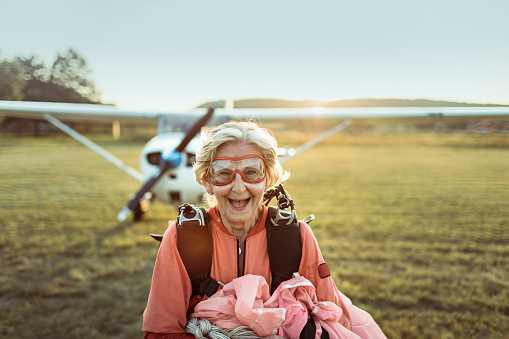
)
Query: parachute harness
[{"x": 286, "y": 214}]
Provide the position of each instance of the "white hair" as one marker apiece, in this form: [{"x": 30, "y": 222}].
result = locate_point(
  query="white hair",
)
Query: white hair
[{"x": 238, "y": 131}]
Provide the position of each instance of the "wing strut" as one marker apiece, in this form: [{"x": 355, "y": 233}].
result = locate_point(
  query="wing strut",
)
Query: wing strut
[
  {"x": 94, "y": 147},
  {"x": 311, "y": 143}
]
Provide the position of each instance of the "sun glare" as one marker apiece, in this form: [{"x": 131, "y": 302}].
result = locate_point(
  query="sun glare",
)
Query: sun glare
[{"x": 318, "y": 110}]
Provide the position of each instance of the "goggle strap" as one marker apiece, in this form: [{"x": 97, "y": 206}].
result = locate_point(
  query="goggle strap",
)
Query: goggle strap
[{"x": 244, "y": 157}]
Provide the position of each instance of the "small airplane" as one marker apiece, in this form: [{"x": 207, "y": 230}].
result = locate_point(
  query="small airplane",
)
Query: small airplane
[{"x": 166, "y": 160}]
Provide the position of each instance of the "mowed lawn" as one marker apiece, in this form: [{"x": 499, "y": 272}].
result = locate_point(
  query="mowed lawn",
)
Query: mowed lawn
[{"x": 415, "y": 227}]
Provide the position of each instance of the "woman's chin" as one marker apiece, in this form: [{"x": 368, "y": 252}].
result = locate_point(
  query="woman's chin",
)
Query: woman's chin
[{"x": 245, "y": 216}]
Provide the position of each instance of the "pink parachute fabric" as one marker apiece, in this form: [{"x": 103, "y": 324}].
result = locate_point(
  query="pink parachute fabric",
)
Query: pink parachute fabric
[
  {"x": 240, "y": 303},
  {"x": 246, "y": 301}
]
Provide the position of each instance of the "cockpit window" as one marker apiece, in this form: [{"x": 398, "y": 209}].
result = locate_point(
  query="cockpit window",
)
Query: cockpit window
[{"x": 174, "y": 123}]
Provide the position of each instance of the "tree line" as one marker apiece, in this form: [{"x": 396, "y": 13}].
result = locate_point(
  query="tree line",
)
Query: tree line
[{"x": 65, "y": 79}]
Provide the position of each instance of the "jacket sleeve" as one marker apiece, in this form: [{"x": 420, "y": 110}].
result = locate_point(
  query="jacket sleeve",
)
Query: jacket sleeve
[{"x": 170, "y": 290}]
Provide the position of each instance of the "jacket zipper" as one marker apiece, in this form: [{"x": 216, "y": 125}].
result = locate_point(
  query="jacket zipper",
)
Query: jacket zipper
[{"x": 241, "y": 257}]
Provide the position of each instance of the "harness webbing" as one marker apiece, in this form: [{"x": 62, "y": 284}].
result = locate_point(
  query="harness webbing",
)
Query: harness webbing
[
  {"x": 194, "y": 243},
  {"x": 283, "y": 247}
]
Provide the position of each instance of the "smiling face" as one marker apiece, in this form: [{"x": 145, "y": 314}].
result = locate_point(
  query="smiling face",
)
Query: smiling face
[{"x": 238, "y": 203}]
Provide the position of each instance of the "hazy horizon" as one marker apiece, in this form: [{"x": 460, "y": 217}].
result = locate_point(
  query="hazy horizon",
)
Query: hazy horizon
[{"x": 179, "y": 54}]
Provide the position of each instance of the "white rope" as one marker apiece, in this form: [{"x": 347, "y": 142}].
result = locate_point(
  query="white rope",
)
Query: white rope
[{"x": 202, "y": 329}]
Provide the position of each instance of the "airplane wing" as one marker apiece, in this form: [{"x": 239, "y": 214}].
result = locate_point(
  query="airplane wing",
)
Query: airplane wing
[
  {"x": 360, "y": 112},
  {"x": 73, "y": 112}
]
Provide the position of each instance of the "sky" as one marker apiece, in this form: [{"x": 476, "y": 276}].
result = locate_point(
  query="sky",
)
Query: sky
[{"x": 163, "y": 55}]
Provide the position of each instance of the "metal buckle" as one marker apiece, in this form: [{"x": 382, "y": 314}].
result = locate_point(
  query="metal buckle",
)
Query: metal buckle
[
  {"x": 284, "y": 217},
  {"x": 186, "y": 209}
]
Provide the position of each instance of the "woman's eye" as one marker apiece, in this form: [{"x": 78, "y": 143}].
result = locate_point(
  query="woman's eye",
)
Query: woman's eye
[
  {"x": 252, "y": 172},
  {"x": 224, "y": 173}
]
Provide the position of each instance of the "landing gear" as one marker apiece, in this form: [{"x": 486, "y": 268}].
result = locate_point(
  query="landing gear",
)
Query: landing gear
[
  {"x": 138, "y": 213},
  {"x": 142, "y": 206}
]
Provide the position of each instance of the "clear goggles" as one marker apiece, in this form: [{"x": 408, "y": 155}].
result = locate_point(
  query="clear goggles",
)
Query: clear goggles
[{"x": 222, "y": 170}]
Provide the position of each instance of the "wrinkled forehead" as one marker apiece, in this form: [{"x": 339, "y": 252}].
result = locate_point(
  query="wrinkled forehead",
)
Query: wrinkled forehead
[{"x": 237, "y": 149}]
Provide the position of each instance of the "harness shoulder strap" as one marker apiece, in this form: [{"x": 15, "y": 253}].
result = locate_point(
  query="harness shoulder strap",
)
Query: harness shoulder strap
[
  {"x": 283, "y": 246},
  {"x": 194, "y": 243}
]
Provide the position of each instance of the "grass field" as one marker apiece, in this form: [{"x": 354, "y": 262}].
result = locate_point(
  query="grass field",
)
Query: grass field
[{"x": 414, "y": 225}]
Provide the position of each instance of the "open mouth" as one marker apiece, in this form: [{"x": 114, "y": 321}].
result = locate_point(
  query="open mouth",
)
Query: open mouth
[{"x": 239, "y": 204}]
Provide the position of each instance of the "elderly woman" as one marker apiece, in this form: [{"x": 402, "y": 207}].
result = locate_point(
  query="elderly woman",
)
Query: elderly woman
[{"x": 236, "y": 165}]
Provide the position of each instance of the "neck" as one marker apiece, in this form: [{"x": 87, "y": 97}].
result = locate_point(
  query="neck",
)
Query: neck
[
  {"x": 240, "y": 234},
  {"x": 240, "y": 229}
]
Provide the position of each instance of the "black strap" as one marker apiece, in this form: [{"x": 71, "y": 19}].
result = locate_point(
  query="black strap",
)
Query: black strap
[
  {"x": 284, "y": 249},
  {"x": 309, "y": 331},
  {"x": 194, "y": 243}
]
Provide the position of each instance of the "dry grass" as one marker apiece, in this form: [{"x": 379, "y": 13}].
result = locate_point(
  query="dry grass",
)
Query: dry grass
[{"x": 413, "y": 224}]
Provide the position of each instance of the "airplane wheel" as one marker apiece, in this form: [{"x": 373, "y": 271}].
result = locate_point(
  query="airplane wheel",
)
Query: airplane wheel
[
  {"x": 138, "y": 213},
  {"x": 142, "y": 207}
]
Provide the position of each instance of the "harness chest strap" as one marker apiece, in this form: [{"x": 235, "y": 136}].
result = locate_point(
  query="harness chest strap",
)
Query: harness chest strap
[{"x": 283, "y": 247}]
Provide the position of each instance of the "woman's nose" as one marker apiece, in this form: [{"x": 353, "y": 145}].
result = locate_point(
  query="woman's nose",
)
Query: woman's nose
[{"x": 238, "y": 184}]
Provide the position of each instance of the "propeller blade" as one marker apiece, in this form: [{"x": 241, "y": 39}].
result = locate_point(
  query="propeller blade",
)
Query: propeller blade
[
  {"x": 172, "y": 161},
  {"x": 147, "y": 186},
  {"x": 195, "y": 129}
]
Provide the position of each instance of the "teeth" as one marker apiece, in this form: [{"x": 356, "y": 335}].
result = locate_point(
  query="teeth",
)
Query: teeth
[{"x": 239, "y": 203}]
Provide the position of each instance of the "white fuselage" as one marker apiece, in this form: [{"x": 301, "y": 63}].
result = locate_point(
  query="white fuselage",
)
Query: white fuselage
[{"x": 177, "y": 185}]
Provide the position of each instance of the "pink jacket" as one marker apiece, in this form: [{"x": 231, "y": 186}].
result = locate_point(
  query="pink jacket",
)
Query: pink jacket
[
  {"x": 246, "y": 301},
  {"x": 170, "y": 289}
]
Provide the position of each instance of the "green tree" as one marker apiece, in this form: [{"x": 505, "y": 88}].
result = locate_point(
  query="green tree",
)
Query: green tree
[
  {"x": 11, "y": 81},
  {"x": 33, "y": 68},
  {"x": 70, "y": 70},
  {"x": 29, "y": 79}
]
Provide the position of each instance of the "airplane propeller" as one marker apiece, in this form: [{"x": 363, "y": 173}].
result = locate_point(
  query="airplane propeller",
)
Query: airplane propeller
[{"x": 169, "y": 160}]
